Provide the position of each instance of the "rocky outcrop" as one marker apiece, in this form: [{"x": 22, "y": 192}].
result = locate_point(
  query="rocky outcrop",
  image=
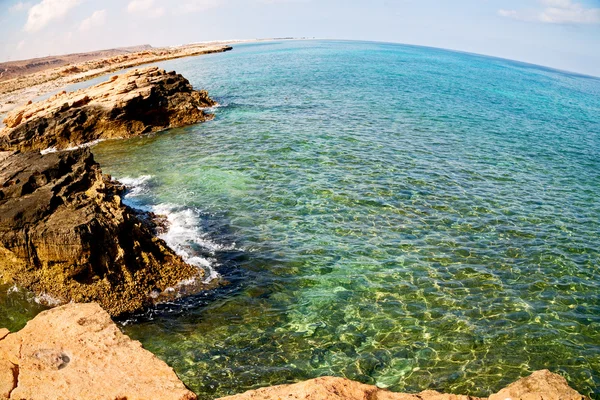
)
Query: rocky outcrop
[
  {"x": 138, "y": 102},
  {"x": 541, "y": 385},
  {"x": 65, "y": 235},
  {"x": 331, "y": 388},
  {"x": 77, "y": 352}
]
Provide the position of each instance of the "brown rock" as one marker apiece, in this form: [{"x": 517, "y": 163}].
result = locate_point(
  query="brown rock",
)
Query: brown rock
[
  {"x": 140, "y": 101},
  {"x": 64, "y": 233},
  {"x": 541, "y": 385},
  {"x": 77, "y": 352},
  {"x": 331, "y": 388}
]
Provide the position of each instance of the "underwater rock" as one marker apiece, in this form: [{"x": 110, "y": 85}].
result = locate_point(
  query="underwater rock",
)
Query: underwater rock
[
  {"x": 65, "y": 235},
  {"x": 137, "y": 102},
  {"x": 77, "y": 352}
]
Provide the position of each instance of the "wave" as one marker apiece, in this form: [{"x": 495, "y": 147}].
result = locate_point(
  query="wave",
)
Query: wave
[
  {"x": 184, "y": 232},
  {"x": 136, "y": 186},
  {"x": 81, "y": 146}
]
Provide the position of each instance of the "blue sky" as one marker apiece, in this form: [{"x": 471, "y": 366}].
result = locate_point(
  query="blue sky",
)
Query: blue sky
[{"x": 563, "y": 34}]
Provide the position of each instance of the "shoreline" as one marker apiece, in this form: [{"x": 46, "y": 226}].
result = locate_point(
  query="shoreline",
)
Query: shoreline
[
  {"x": 17, "y": 91},
  {"x": 372, "y": 393},
  {"x": 78, "y": 351}
]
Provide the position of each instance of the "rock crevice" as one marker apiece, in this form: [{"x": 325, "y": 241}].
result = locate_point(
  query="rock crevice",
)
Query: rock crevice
[{"x": 65, "y": 234}]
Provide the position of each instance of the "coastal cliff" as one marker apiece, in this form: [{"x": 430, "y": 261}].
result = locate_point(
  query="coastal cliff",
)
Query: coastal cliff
[
  {"x": 64, "y": 233},
  {"x": 138, "y": 102},
  {"x": 77, "y": 352}
]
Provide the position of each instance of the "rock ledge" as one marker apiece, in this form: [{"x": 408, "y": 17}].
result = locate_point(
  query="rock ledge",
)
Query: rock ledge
[
  {"x": 137, "y": 102},
  {"x": 77, "y": 352}
]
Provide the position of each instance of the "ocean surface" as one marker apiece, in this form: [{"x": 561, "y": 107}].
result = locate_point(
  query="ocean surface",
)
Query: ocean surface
[{"x": 403, "y": 216}]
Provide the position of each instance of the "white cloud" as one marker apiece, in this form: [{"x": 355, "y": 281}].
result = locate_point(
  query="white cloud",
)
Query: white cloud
[
  {"x": 145, "y": 8},
  {"x": 197, "y": 5},
  {"x": 20, "y": 6},
  {"x": 508, "y": 13},
  {"x": 44, "y": 12},
  {"x": 97, "y": 19},
  {"x": 21, "y": 45},
  {"x": 557, "y": 12}
]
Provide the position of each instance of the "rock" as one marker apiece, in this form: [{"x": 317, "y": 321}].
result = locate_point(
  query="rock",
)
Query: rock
[
  {"x": 77, "y": 352},
  {"x": 331, "y": 388},
  {"x": 65, "y": 235},
  {"x": 140, "y": 101},
  {"x": 541, "y": 385}
]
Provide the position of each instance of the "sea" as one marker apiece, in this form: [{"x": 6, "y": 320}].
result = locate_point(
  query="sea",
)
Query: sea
[{"x": 408, "y": 217}]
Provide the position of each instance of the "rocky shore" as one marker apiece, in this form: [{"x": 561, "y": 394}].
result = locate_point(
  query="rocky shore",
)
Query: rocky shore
[
  {"x": 64, "y": 232},
  {"x": 138, "y": 102},
  {"x": 77, "y": 352},
  {"x": 65, "y": 235},
  {"x": 26, "y": 85}
]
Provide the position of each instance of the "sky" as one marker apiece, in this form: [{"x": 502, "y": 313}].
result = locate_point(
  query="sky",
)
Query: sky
[{"x": 563, "y": 34}]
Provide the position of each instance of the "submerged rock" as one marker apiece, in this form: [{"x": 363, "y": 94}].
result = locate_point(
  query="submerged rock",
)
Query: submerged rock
[
  {"x": 77, "y": 352},
  {"x": 541, "y": 385},
  {"x": 140, "y": 101},
  {"x": 65, "y": 235}
]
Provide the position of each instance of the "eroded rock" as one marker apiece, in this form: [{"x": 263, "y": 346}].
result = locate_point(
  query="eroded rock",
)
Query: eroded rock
[
  {"x": 65, "y": 235},
  {"x": 77, "y": 352},
  {"x": 541, "y": 385},
  {"x": 140, "y": 101},
  {"x": 332, "y": 388}
]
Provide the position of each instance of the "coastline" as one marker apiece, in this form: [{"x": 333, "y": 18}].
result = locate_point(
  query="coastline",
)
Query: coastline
[
  {"x": 17, "y": 91},
  {"x": 78, "y": 351},
  {"x": 305, "y": 394}
]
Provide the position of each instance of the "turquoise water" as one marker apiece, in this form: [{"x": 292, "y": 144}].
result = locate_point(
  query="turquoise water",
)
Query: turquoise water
[{"x": 403, "y": 216}]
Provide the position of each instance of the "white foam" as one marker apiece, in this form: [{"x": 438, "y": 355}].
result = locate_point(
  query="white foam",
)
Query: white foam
[
  {"x": 13, "y": 289},
  {"x": 47, "y": 300},
  {"x": 48, "y": 150},
  {"x": 136, "y": 186},
  {"x": 213, "y": 108},
  {"x": 88, "y": 144},
  {"x": 184, "y": 233},
  {"x": 81, "y": 146}
]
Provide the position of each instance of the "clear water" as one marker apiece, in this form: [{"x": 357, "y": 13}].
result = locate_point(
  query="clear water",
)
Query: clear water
[{"x": 402, "y": 216}]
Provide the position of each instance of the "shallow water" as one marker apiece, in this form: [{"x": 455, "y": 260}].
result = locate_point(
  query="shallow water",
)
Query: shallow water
[{"x": 402, "y": 216}]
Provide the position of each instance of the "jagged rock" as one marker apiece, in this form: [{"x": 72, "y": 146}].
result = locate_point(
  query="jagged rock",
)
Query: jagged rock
[
  {"x": 332, "y": 388},
  {"x": 541, "y": 385},
  {"x": 140, "y": 101},
  {"x": 65, "y": 235},
  {"x": 77, "y": 352}
]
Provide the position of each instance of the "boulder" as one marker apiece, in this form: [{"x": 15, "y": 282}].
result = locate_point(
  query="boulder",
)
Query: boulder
[
  {"x": 137, "y": 102},
  {"x": 541, "y": 385},
  {"x": 332, "y": 388},
  {"x": 77, "y": 352},
  {"x": 65, "y": 235}
]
